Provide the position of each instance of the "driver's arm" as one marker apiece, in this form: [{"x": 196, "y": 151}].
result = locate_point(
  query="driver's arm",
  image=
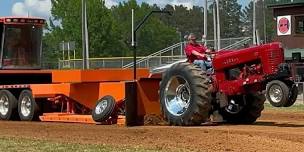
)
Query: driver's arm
[{"x": 198, "y": 54}]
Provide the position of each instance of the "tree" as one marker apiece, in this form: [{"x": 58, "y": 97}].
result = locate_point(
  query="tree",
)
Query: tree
[
  {"x": 264, "y": 22},
  {"x": 153, "y": 36},
  {"x": 101, "y": 25},
  {"x": 103, "y": 31},
  {"x": 109, "y": 28},
  {"x": 247, "y": 19},
  {"x": 231, "y": 25},
  {"x": 50, "y": 45},
  {"x": 185, "y": 20}
]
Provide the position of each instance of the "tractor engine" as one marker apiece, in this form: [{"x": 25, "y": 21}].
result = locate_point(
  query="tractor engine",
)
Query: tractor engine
[
  {"x": 247, "y": 70},
  {"x": 241, "y": 77},
  {"x": 253, "y": 70}
]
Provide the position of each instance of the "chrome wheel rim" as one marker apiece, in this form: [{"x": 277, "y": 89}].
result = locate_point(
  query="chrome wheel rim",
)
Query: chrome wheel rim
[
  {"x": 4, "y": 105},
  {"x": 101, "y": 106},
  {"x": 26, "y": 106},
  {"x": 233, "y": 107},
  {"x": 275, "y": 93},
  {"x": 177, "y": 96}
]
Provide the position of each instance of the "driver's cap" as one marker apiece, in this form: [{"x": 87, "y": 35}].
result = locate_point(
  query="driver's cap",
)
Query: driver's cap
[{"x": 191, "y": 36}]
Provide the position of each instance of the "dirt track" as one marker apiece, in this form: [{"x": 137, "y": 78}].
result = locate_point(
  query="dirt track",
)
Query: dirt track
[{"x": 275, "y": 131}]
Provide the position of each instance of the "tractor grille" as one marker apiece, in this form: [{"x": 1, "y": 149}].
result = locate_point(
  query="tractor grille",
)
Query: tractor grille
[{"x": 275, "y": 58}]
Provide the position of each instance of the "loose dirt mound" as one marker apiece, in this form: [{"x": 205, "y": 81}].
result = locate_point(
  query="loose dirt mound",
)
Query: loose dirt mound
[
  {"x": 275, "y": 131},
  {"x": 152, "y": 120}
]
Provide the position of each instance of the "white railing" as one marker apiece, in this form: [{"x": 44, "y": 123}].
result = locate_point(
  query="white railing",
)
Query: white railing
[
  {"x": 173, "y": 52},
  {"x": 95, "y": 63},
  {"x": 177, "y": 52},
  {"x": 165, "y": 56},
  {"x": 235, "y": 45},
  {"x": 238, "y": 44}
]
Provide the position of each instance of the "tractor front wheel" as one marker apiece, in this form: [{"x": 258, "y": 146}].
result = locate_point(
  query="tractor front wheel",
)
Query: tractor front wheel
[{"x": 277, "y": 93}]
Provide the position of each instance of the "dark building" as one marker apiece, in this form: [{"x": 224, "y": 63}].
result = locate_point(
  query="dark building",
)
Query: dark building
[{"x": 289, "y": 16}]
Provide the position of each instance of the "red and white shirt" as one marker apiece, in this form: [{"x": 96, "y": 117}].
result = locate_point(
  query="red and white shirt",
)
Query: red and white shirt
[{"x": 194, "y": 47}]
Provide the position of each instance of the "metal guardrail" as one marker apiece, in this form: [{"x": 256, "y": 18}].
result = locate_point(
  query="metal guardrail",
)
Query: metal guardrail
[
  {"x": 238, "y": 44},
  {"x": 230, "y": 43},
  {"x": 96, "y": 63},
  {"x": 165, "y": 56},
  {"x": 174, "y": 51},
  {"x": 170, "y": 49}
]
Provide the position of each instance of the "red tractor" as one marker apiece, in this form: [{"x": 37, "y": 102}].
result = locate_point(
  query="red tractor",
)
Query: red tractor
[{"x": 235, "y": 90}]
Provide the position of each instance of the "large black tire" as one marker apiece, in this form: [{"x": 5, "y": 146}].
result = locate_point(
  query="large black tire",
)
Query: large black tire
[
  {"x": 8, "y": 105},
  {"x": 100, "y": 113},
  {"x": 283, "y": 90},
  {"x": 249, "y": 113},
  {"x": 293, "y": 95},
  {"x": 199, "y": 98},
  {"x": 27, "y": 106}
]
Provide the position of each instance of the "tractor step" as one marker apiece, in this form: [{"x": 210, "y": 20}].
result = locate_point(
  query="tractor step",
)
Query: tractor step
[{"x": 74, "y": 118}]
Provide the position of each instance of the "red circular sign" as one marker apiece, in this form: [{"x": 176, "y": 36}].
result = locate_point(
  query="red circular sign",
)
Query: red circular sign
[{"x": 284, "y": 25}]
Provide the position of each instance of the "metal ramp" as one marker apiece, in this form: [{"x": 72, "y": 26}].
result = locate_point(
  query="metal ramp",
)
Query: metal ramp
[{"x": 165, "y": 56}]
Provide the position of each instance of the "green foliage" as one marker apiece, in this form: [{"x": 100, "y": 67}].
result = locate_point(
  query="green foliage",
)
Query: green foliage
[
  {"x": 264, "y": 21},
  {"x": 110, "y": 28},
  {"x": 185, "y": 20},
  {"x": 153, "y": 36},
  {"x": 230, "y": 12}
]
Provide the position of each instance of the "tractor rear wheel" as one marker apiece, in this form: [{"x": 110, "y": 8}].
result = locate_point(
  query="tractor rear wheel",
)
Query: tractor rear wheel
[
  {"x": 184, "y": 96},
  {"x": 248, "y": 113}
]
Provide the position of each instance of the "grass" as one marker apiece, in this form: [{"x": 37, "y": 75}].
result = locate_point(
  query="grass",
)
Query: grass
[
  {"x": 294, "y": 108},
  {"x": 30, "y": 145}
]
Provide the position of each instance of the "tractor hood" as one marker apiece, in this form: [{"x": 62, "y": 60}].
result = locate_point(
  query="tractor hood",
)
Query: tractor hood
[{"x": 232, "y": 58}]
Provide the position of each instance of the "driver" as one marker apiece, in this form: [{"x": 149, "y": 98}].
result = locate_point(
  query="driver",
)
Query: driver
[{"x": 196, "y": 53}]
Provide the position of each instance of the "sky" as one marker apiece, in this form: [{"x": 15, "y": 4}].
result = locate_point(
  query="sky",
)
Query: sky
[{"x": 41, "y": 8}]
